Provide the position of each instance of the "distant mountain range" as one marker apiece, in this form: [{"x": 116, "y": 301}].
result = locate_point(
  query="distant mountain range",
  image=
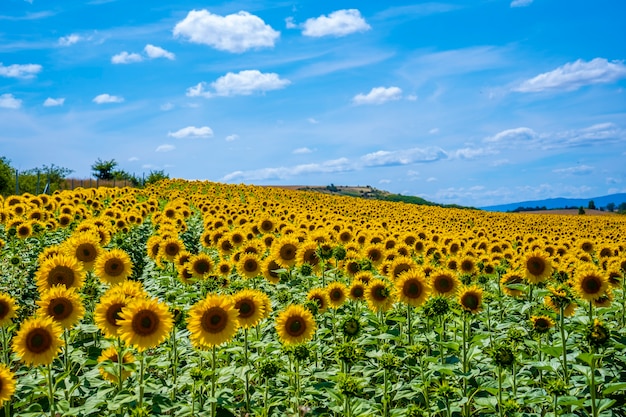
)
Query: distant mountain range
[{"x": 560, "y": 203}]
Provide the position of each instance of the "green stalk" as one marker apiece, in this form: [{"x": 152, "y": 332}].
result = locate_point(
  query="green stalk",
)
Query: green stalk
[
  {"x": 5, "y": 347},
  {"x": 563, "y": 344},
  {"x": 120, "y": 363},
  {"x": 297, "y": 381},
  {"x": 66, "y": 356},
  {"x": 266, "y": 410},
  {"x": 500, "y": 408},
  {"x": 408, "y": 320},
  {"x": 51, "y": 392},
  {"x": 441, "y": 338},
  {"x": 175, "y": 370},
  {"x": 425, "y": 388},
  {"x": 141, "y": 372},
  {"x": 193, "y": 398},
  {"x": 466, "y": 407},
  {"x": 592, "y": 387},
  {"x": 385, "y": 394},
  {"x": 245, "y": 364},
  {"x": 213, "y": 381}
]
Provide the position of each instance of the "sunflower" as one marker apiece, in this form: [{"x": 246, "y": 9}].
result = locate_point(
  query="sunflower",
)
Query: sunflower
[
  {"x": 284, "y": 251},
  {"x": 113, "y": 266},
  {"x": 378, "y": 295},
  {"x": 320, "y": 297},
  {"x": 511, "y": 278},
  {"x": 266, "y": 224},
  {"x": 212, "y": 321},
  {"x": 223, "y": 268},
  {"x": 249, "y": 265},
  {"x": 8, "y": 309},
  {"x": 467, "y": 265},
  {"x": 374, "y": 252},
  {"x": 7, "y": 383},
  {"x": 560, "y": 297},
  {"x": 295, "y": 325},
  {"x": 444, "y": 282},
  {"x": 589, "y": 282},
  {"x": 250, "y": 307},
  {"x": 412, "y": 288},
  {"x": 153, "y": 246},
  {"x": 470, "y": 299},
  {"x": 400, "y": 265},
  {"x": 145, "y": 323},
  {"x": 110, "y": 354},
  {"x": 200, "y": 265},
  {"x": 337, "y": 294},
  {"x": 85, "y": 247},
  {"x": 38, "y": 341},
  {"x": 24, "y": 230},
  {"x": 170, "y": 248},
  {"x": 63, "y": 305},
  {"x": 60, "y": 269},
  {"x": 357, "y": 290},
  {"x": 307, "y": 254},
  {"x": 537, "y": 266},
  {"x": 129, "y": 289},
  {"x": 107, "y": 313},
  {"x": 542, "y": 324}
]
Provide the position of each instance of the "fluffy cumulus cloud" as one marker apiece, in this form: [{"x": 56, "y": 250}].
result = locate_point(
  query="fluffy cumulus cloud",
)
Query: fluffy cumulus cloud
[
  {"x": 521, "y": 3},
  {"x": 242, "y": 83},
  {"x": 165, "y": 148},
  {"x": 126, "y": 58},
  {"x": 53, "y": 102},
  {"x": 107, "y": 98},
  {"x": 472, "y": 153},
  {"x": 335, "y": 165},
  {"x": 509, "y": 136},
  {"x": 302, "y": 151},
  {"x": 192, "y": 132},
  {"x": 575, "y": 75},
  {"x": 7, "y": 101},
  {"x": 378, "y": 95},
  {"x": 339, "y": 23},
  {"x": 233, "y": 33},
  {"x": 69, "y": 39},
  {"x": 577, "y": 170},
  {"x": 231, "y": 138},
  {"x": 403, "y": 157},
  {"x": 19, "y": 71},
  {"x": 158, "y": 52}
]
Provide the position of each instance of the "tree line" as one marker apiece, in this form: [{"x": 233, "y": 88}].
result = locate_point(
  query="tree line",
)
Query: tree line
[{"x": 49, "y": 178}]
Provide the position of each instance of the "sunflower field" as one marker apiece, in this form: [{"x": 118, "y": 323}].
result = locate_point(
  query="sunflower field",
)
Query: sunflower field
[{"x": 192, "y": 298}]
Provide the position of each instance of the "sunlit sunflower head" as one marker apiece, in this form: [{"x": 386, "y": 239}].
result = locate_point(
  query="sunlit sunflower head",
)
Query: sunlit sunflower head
[
  {"x": 212, "y": 321},
  {"x": 307, "y": 253},
  {"x": 284, "y": 251},
  {"x": 107, "y": 313},
  {"x": 295, "y": 325},
  {"x": 170, "y": 248},
  {"x": 250, "y": 307},
  {"x": 113, "y": 266},
  {"x": 145, "y": 323},
  {"x": 60, "y": 270},
  {"x": 201, "y": 265},
  {"x": 269, "y": 268},
  {"x": 38, "y": 341},
  {"x": 364, "y": 276},
  {"x": 63, "y": 305},
  {"x": 604, "y": 300},
  {"x": 542, "y": 324},
  {"x": 374, "y": 252},
  {"x": 129, "y": 289},
  {"x": 471, "y": 299},
  {"x": 356, "y": 290},
  {"x": 444, "y": 282},
  {"x": 400, "y": 265},
  {"x": 320, "y": 297},
  {"x": 589, "y": 282},
  {"x": 379, "y": 295},
  {"x": 560, "y": 298},
  {"x": 24, "y": 230},
  {"x": 153, "y": 246},
  {"x": 337, "y": 294},
  {"x": 8, "y": 309},
  {"x": 467, "y": 265},
  {"x": 85, "y": 247},
  {"x": 7, "y": 384},
  {"x": 586, "y": 245},
  {"x": 110, "y": 354},
  {"x": 249, "y": 265},
  {"x": 512, "y": 278},
  {"x": 266, "y": 224},
  {"x": 412, "y": 288},
  {"x": 537, "y": 266}
]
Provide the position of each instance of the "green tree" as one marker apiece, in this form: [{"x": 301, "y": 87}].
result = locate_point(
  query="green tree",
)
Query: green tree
[
  {"x": 581, "y": 210},
  {"x": 591, "y": 205},
  {"x": 610, "y": 206},
  {"x": 103, "y": 170},
  {"x": 7, "y": 177},
  {"x": 35, "y": 180},
  {"x": 156, "y": 176}
]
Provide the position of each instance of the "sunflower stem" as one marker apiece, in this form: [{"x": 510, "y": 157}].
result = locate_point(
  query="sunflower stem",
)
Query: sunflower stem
[
  {"x": 592, "y": 385},
  {"x": 408, "y": 320},
  {"x": 266, "y": 410},
  {"x": 563, "y": 345},
  {"x": 466, "y": 407},
  {"x": 425, "y": 387},
  {"x": 51, "y": 392},
  {"x": 175, "y": 370},
  {"x": 66, "y": 356},
  {"x": 500, "y": 408},
  {"x": 120, "y": 364},
  {"x": 141, "y": 371},
  {"x": 213, "y": 380},
  {"x": 385, "y": 394},
  {"x": 245, "y": 364},
  {"x": 297, "y": 380},
  {"x": 5, "y": 347},
  {"x": 193, "y": 398}
]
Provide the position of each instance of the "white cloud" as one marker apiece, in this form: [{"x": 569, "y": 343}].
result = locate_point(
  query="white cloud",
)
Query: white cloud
[
  {"x": 384, "y": 181},
  {"x": 338, "y": 23},
  {"x": 165, "y": 148},
  {"x": 126, "y": 58},
  {"x": 577, "y": 170},
  {"x": 158, "y": 52},
  {"x": 242, "y": 83},
  {"x": 19, "y": 71},
  {"x": 575, "y": 75},
  {"x": 69, "y": 39},
  {"x": 106, "y": 98},
  {"x": 7, "y": 101},
  {"x": 378, "y": 95},
  {"x": 232, "y": 137},
  {"x": 411, "y": 97},
  {"x": 233, "y": 33},
  {"x": 312, "y": 120},
  {"x": 519, "y": 134},
  {"x": 52, "y": 102},
  {"x": 521, "y": 3},
  {"x": 289, "y": 24},
  {"x": 434, "y": 131},
  {"x": 335, "y": 165},
  {"x": 167, "y": 106},
  {"x": 192, "y": 132},
  {"x": 471, "y": 153},
  {"x": 133, "y": 159},
  {"x": 403, "y": 157},
  {"x": 302, "y": 150}
]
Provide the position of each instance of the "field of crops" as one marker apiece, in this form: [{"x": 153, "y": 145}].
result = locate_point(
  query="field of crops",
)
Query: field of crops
[{"x": 206, "y": 299}]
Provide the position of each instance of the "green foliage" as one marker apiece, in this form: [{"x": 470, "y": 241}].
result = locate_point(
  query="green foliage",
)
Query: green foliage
[
  {"x": 156, "y": 176},
  {"x": 104, "y": 170},
  {"x": 591, "y": 205},
  {"x": 7, "y": 177},
  {"x": 34, "y": 180}
]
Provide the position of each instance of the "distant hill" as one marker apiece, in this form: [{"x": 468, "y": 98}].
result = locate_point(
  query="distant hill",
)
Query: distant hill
[{"x": 560, "y": 203}]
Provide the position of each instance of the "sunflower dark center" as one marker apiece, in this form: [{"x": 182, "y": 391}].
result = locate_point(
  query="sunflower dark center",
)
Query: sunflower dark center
[
  {"x": 250, "y": 265},
  {"x": 380, "y": 293},
  {"x": 295, "y": 326},
  {"x": 443, "y": 284},
  {"x": 214, "y": 320},
  {"x": 145, "y": 323},
  {"x": 201, "y": 267},
  {"x": 357, "y": 292},
  {"x": 61, "y": 275},
  {"x": 4, "y": 309},
  {"x": 412, "y": 289},
  {"x": 85, "y": 253},
  {"x": 470, "y": 301},
  {"x": 288, "y": 252},
  {"x": 246, "y": 308},
  {"x": 172, "y": 249},
  {"x": 336, "y": 295},
  {"x": 591, "y": 285},
  {"x": 113, "y": 267},
  {"x": 113, "y": 313},
  {"x": 536, "y": 265},
  {"x": 60, "y": 308},
  {"x": 38, "y": 341}
]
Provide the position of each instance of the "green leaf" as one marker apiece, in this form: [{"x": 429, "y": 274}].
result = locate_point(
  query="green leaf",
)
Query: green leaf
[{"x": 611, "y": 388}]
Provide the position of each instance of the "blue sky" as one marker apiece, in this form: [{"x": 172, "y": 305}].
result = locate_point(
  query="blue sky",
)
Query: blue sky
[{"x": 467, "y": 102}]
